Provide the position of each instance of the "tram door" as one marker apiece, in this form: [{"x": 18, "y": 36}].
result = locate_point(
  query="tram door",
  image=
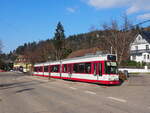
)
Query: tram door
[
  {"x": 70, "y": 70},
  {"x": 97, "y": 70},
  {"x": 49, "y": 70}
]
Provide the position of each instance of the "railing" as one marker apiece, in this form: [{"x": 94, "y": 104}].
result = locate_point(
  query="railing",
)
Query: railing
[{"x": 139, "y": 51}]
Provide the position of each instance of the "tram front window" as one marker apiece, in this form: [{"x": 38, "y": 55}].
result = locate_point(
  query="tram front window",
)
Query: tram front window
[{"x": 111, "y": 68}]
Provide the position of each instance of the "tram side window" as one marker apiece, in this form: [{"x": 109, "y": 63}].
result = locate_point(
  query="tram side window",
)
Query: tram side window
[
  {"x": 65, "y": 68},
  {"x": 110, "y": 67},
  {"x": 55, "y": 68},
  {"x": 95, "y": 69},
  {"x": 87, "y": 67},
  {"x": 81, "y": 67},
  {"x": 69, "y": 66},
  {"x": 75, "y": 68},
  {"x": 100, "y": 69},
  {"x": 46, "y": 69},
  {"x": 35, "y": 70},
  {"x": 39, "y": 69}
]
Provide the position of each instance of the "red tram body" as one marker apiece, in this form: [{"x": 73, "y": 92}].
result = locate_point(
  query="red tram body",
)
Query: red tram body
[{"x": 100, "y": 69}]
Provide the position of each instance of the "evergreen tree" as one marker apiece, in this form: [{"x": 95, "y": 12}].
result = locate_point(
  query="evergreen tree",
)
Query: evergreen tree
[{"x": 59, "y": 41}]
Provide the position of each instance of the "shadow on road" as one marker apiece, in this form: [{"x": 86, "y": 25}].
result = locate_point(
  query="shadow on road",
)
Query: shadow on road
[
  {"x": 23, "y": 90},
  {"x": 19, "y": 84}
]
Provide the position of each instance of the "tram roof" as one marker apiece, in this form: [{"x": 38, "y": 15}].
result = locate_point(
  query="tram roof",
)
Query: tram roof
[
  {"x": 77, "y": 59},
  {"x": 88, "y": 57}
]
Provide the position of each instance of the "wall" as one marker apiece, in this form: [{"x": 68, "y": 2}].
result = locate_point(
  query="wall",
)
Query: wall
[
  {"x": 135, "y": 70},
  {"x": 140, "y": 42}
]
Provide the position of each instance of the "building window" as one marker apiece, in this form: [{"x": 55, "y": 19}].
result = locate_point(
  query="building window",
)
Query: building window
[
  {"x": 144, "y": 56},
  {"x": 147, "y": 47},
  {"x": 139, "y": 38},
  {"x": 147, "y": 56},
  {"x": 134, "y": 57},
  {"x": 136, "y": 47}
]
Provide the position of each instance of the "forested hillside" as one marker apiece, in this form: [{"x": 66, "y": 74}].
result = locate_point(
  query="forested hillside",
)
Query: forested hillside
[
  {"x": 108, "y": 40},
  {"x": 102, "y": 40}
]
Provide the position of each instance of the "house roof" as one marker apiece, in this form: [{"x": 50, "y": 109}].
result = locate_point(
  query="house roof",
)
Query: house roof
[
  {"x": 145, "y": 35},
  {"x": 22, "y": 58},
  {"x": 83, "y": 52}
]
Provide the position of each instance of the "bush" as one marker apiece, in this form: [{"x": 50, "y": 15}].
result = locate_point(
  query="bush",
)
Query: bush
[
  {"x": 122, "y": 76},
  {"x": 133, "y": 64}
]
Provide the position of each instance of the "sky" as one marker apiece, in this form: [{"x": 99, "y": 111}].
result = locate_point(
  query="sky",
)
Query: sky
[{"x": 23, "y": 21}]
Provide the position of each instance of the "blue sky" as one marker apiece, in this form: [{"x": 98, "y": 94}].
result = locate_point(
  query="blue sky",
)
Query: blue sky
[{"x": 33, "y": 20}]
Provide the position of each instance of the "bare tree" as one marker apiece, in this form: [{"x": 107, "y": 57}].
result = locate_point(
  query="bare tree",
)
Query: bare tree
[
  {"x": 1, "y": 45},
  {"x": 118, "y": 40},
  {"x": 40, "y": 53}
]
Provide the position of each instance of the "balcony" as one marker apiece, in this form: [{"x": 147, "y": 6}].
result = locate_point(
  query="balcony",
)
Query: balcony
[{"x": 140, "y": 51}]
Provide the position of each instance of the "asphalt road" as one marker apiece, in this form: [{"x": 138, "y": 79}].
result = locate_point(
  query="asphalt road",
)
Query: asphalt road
[{"x": 30, "y": 94}]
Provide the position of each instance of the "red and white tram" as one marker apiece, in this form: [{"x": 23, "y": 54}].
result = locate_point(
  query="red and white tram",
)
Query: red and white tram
[{"x": 100, "y": 69}]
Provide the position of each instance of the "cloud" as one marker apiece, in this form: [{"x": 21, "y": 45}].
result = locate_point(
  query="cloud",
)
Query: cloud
[
  {"x": 132, "y": 6},
  {"x": 71, "y": 10},
  {"x": 100, "y": 4},
  {"x": 139, "y": 5},
  {"x": 144, "y": 16}
]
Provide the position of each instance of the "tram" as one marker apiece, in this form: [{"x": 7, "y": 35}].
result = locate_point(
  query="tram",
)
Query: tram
[{"x": 101, "y": 69}]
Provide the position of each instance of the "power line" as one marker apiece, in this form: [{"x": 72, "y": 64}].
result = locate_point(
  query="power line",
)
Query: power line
[
  {"x": 133, "y": 26},
  {"x": 140, "y": 24},
  {"x": 143, "y": 22}
]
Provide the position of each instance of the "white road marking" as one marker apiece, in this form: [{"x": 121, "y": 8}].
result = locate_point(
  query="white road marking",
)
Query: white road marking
[
  {"x": 73, "y": 88},
  {"x": 14, "y": 79},
  {"x": 40, "y": 79},
  {"x": 46, "y": 86},
  {"x": 117, "y": 99},
  {"x": 19, "y": 78},
  {"x": 90, "y": 92}
]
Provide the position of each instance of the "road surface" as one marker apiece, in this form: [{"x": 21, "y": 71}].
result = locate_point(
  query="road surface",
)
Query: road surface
[{"x": 29, "y": 94}]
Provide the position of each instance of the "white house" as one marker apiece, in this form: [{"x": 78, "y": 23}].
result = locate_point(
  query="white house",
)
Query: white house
[{"x": 140, "y": 48}]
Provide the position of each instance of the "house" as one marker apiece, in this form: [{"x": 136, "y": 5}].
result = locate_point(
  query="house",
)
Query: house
[
  {"x": 22, "y": 64},
  {"x": 140, "y": 48}
]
